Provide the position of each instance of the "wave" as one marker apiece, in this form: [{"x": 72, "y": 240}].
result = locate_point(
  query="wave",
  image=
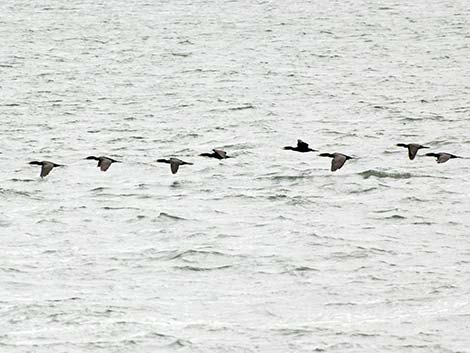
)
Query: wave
[
  {"x": 380, "y": 174},
  {"x": 11, "y": 192},
  {"x": 183, "y": 254},
  {"x": 199, "y": 269},
  {"x": 243, "y": 107},
  {"x": 169, "y": 216}
]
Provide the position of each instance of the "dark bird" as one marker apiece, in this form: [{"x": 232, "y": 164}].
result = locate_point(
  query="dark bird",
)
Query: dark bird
[
  {"x": 301, "y": 147},
  {"x": 412, "y": 149},
  {"x": 218, "y": 154},
  {"x": 442, "y": 157},
  {"x": 103, "y": 162},
  {"x": 338, "y": 160},
  {"x": 174, "y": 163},
  {"x": 46, "y": 167}
]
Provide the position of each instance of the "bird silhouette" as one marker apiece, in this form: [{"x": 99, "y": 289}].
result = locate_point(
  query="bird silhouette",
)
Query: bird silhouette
[
  {"x": 174, "y": 163},
  {"x": 46, "y": 167},
  {"x": 442, "y": 157},
  {"x": 412, "y": 148},
  {"x": 103, "y": 162},
  {"x": 301, "y": 147},
  {"x": 338, "y": 159},
  {"x": 218, "y": 154}
]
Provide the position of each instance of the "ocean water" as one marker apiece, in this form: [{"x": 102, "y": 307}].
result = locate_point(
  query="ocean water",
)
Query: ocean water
[{"x": 264, "y": 252}]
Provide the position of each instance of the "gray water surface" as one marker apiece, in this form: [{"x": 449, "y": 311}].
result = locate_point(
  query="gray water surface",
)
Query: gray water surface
[{"x": 265, "y": 252}]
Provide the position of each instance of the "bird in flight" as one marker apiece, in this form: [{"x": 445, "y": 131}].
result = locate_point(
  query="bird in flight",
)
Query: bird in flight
[
  {"x": 338, "y": 159},
  {"x": 218, "y": 154},
  {"x": 46, "y": 167},
  {"x": 301, "y": 147},
  {"x": 103, "y": 162},
  {"x": 412, "y": 148},
  {"x": 174, "y": 163},
  {"x": 442, "y": 157}
]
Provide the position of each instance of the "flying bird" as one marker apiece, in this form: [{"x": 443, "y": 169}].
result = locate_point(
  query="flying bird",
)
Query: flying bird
[
  {"x": 103, "y": 162},
  {"x": 46, "y": 167},
  {"x": 338, "y": 160},
  {"x": 301, "y": 147},
  {"x": 442, "y": 157},
  {"x": 412, "y": 149},
  {"x": 218, "y": 154},
  {"x": 174, "y": 163}
]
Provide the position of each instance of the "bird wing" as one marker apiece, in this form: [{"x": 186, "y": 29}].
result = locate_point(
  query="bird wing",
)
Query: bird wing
[
  {"x": 104, "y": 164},
  {"x": 220, "y": 153},
  {"x": 174, "y": 165},
  {"x": 443, "y": 157},
  {"x": 412, "y": 151},
  {"x": 46, "y": 169},
  {"x": 337, "y": 162},
  {"x": 301, "y": 144}
]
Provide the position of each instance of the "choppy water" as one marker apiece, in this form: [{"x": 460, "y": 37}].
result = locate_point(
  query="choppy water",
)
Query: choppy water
[{"x": 265, "y": 252}]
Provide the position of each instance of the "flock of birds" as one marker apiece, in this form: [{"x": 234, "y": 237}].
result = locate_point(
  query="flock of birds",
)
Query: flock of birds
[{"x": 338, "y": 159}]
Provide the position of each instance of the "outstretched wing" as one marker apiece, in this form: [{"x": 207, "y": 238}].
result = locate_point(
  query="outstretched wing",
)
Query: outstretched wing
[
  {"x": 104, "y": 164},
  {"x": 412, "y": 151},
  {"x": 174, "y": 165},
  {"x": 220, "y": 153},
  {"x": 443, "y": 157},
  {"x": 302, "y": 144},
  {"x": 337, "y": 162},
  {"x": 46, "y": 169}
]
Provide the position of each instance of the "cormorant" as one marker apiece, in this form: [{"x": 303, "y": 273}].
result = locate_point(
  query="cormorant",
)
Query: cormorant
[
  {"x": 412, "y": 149},
  {"x": 46, "y": 167},
  {"x": 218, "y": 154},
  {"x": 103, "y": 162},
  {"x": 174, "y": 163},
  {"x": 301, "y": 147},
  {"x": 338, "y": 160},
  {"x": 442, "y": 157}
]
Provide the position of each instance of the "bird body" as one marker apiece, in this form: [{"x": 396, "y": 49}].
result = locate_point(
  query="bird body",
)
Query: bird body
[
  {"x": 103, "y": 162},
  {"x": 301, "y": 147},
  {"x": 442, "y": 157},
  {"x": 338, "y": 159},
  {"x": 218, "y": 154},
  {"x": 412, "y": 149},
  {"x": 174, "y": 163},
  {"x": 46, "y": 167}
]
